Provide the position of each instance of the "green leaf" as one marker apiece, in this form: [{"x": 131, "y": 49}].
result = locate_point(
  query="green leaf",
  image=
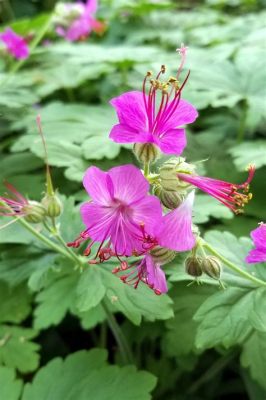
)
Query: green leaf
[
  {"x": 258, "y": 314},
  {"x": 10, "y": 386},
  {"x": 136, "y": 303},
  {"x": 254, "y": 357},
  {"x": 16, "y": 349},
  {"x": 54, "y": 301},
  {"x": 90, "y": 289},
  {"x": 249, "y": 153},
  {"x": 14, "y": 303},
  {"x": 181, "y": 330},
  {"x": 224, "y": 318},
  {"x": 91, "y": 318},
  {"x": 86, "y": 375},
  {"x": 207, "y": 207}
]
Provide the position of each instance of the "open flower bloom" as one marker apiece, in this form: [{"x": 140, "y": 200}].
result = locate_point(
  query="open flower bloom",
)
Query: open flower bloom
[
  {"x": 15, "y": 44},
  {"x": 154, "y": 115},
  {"x": 233, "y": 196},
  {"x": 258, "y": 254},
  {"x": 174, "y": 233},
  {"x": 121, "y": 211},
  {"x": 76, "y": 21}
]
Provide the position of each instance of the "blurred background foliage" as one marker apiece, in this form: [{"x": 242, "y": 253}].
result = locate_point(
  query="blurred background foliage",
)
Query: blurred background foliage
[{"x": 70, "y": 85}]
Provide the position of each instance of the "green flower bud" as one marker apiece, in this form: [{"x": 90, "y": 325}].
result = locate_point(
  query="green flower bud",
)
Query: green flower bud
[
  {"x": 212, "y": 267},
  {"x": 168, "y": 174},
  {"x": 162, "y": 255},
  {"x": 52, "y": 205},
  {"x": 34, "y": 212},
  {"x": 146, "y": 152},
  {"x": 169, "y": 199},
  {"x": 193, "y": 266}
]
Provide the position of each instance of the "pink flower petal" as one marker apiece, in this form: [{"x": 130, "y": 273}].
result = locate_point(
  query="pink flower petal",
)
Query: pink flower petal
[
  {"x": 155, "y": 275},
  {"x": 91, "y": 6},
  {"x": 176, "y": 233},
  {"x": 121, "y": 133},
  {"x": 131, "y": 111},
  {"x": 99, "y": 186},
  {"x": 172, "y": 141},
  {"x": 79, "y": 28},
  {"x": 259, "y": 236},
  {"x": 98, "y": 220},
  {"x": 184, "y": 114},
  {"x": 148, "y": 211},
  {"x": 129, "y": 183},
  {"x": 256, "y": 256}
]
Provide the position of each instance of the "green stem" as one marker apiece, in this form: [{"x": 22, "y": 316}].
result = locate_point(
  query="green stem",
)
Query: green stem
[
  {"x": 242, "y": 122},
  {"x": 146, "y": 169},
  {"x": 43, "y": 238},
  {"x": 118, "y": 334},
  {"x": 231, "y": 265},
  {"x": 33, "y": 45}
]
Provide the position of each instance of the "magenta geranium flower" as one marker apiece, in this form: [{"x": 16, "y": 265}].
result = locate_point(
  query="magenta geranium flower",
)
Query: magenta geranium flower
[
  {"x": 121, "y": 211},
  {"x": 78, "y": 20},
  {"x": 155, "y": 115},
  {"x": 258, "y": 254},
  {"x": 15, "y": 45},
  {"x": 174, "y": 233},
  {"x": 233, "y": 196}
]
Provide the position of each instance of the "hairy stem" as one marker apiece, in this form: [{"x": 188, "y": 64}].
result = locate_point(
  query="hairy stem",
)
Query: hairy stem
[
  {"x": 232, "y": 266},
  {"x": 119, "y": 336},
  {"x": 146, "y": 169}
]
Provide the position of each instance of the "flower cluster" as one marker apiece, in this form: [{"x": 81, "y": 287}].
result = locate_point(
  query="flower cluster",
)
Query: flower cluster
[
  {"x": 75, "y": 21},
  {"x": 14, "y": 44},
  {"x": 144, "y": 231}
]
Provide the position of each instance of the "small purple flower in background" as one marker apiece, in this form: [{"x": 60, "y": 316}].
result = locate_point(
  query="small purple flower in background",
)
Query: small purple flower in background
[
  {"x": 76, "y": 21},
  {"x": 233, "y": 196},
  {"x": 15, "y": 45},
  {"x": 121, "y": 211},
  {"x": 144, "y": 119},
  {"x": 258, "y": 254}
]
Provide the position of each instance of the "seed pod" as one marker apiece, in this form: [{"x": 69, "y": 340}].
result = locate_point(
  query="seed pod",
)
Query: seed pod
[
  {"x": 212, "y": 267},
  {"x": 168, "y": 174},
  {"x": 146, "y": 152},
  {"x": 34, "y": 212},
  {"x": 52, "y": 204},
  {"x": 162, "y": 255},
  {"x": 193, "y": 266},
  {"x": 169, "y": 199}
]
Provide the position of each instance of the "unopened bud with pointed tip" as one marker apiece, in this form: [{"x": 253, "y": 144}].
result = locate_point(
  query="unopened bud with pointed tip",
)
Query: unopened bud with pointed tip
[
  {"x": 194, "y": 266},
  {"x": 146, "y": 152},
  {"x": 212, "y": 267},
  {"x": 52, "y": 204}
]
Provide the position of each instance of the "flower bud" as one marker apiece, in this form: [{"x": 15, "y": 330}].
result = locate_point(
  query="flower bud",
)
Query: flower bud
[
  {"x": 146, "y": 152},
  {"x": 169, "y": 199},
  {"x": 193, "y": 266},
  {"x": 168, "y": 174},
  {"x": 34, "y": 212},
  {"x": 162, "y": 255},
  {"x": 52, "y": 205},
  {"x": 212, "y": 267}
]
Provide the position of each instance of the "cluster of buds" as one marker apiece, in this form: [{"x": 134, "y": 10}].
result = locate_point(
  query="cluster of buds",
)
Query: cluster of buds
[{"x": 209, "y": 265}]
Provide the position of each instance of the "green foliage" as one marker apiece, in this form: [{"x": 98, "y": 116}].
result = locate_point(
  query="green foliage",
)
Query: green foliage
[
  {"x": 10, "y": 386},
  {"x": 173, "y": 336},
  {"x": 86, "y": 374}
]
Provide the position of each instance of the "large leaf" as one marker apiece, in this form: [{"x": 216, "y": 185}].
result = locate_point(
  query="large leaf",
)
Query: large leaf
[
  {"x": 90, "y": 289},
  {"x": 14, "y": 303},
  {"x": 254, "y": 357},
  {"x": 10, "y": 386},
  {"x": 86, "y": 375},
  {"x": 249, "y": 153},
  {"x": 17, "y": 350}
]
